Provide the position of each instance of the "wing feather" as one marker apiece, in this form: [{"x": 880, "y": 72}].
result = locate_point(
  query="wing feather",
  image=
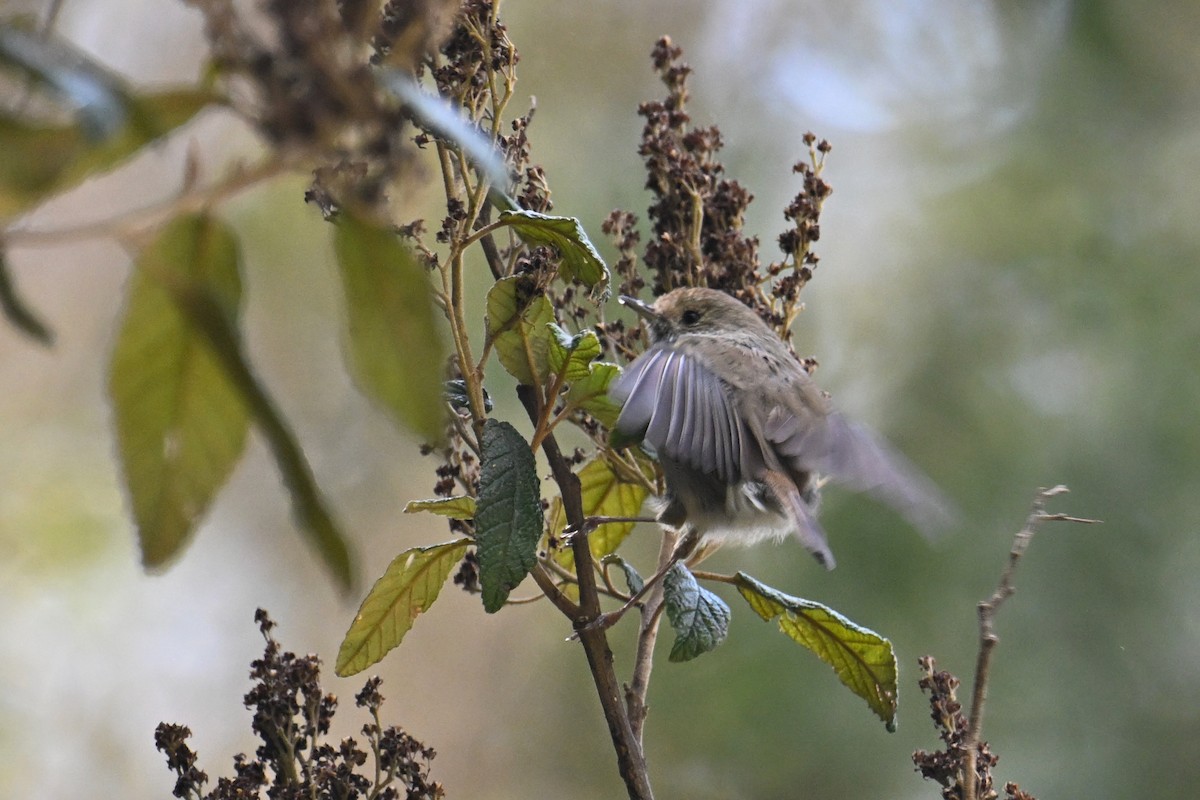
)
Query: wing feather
[
  {"x": 681, "y": 409},
  {"x": 852, "y": 455}
]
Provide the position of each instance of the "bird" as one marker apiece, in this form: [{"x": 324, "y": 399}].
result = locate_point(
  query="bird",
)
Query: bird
[{"x": 744, "y": 435}]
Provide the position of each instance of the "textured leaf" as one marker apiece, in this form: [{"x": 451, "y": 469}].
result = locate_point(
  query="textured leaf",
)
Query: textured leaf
[
  {"x": 604, "y": 495},
  {"x": 181, "y": 422},
  {"x": 39, "y": 160},
  {"x": 570, "y": 356},
  {"x": 210, "y": 314},
  {"x": 508, "y": 515},
  {"x": 19, "y": 315},
  {"x": 461, "y": 507},
  {"x": 633, "y": 579},
  {"x": 516, "y": 325},
  {"x": 863, "y": 660},
  {"x": 591, "y": 393},
  {"x": 406, "y": 589},
  {"x": 393, "y": 340},
  {"x": 699, "y": 618},
  {"x": 580, "y": 261}
]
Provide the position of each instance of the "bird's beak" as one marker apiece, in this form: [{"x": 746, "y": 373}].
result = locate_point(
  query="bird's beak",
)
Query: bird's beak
[{"x": 643, "y": 310}]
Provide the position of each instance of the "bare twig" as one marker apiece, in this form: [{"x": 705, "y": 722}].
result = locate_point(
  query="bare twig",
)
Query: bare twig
[
  {"x": 136, "y": 221},
  {"x": 987, "y": 633},
  {"x": 652, "y": 608}
]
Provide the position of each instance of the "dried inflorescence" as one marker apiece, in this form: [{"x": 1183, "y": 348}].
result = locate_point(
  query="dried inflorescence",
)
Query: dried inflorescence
[
  {"x": 950, "y": 767},
  {"x": 698, "y": 215},
  {"x": 291, "y": 718},
  {"x": 299, "y": 73}
]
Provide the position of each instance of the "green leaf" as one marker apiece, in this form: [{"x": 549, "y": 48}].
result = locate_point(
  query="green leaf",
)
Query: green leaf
[
  {"x": 508, "y": 515},
  {"x": 571, "y": 356},
  {"x": 580, "y": 261},
  {"x": 591, "y": 393},
  {"x": 604, "y": 494},
  {"x": 406, "y": 589},
  {"x": 393, "y": 340},
  {"x": 863, "y": 660},
  {"x": 37, "y": 161},
  {"x": 210, "y": 312},
  {"x": 633, "y": 578},
  {"x": 461, "y": 507},
  {"x": 151, "y": 117},
  {"x": 16, "y": 312},
  {"x": 181, "y": 422},
  {"x": 699, "y": 618},
  {"x": 516, "y": 326}
]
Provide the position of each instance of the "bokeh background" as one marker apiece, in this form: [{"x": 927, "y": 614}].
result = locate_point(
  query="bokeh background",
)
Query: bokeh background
[{"x": 1008, "y": 289}]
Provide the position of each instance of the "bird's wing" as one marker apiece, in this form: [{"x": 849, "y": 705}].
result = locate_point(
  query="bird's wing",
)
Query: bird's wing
[
  {"x": 852, "y": 455},
  {"x": 681, "y": 409}
]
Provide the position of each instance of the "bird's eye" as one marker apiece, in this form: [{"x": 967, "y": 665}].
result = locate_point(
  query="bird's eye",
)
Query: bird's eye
[{"x": 690, "y": 317}]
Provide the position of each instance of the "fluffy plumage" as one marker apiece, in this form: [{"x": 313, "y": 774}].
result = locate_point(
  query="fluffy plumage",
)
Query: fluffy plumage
[{"x": 742, "y": 431}]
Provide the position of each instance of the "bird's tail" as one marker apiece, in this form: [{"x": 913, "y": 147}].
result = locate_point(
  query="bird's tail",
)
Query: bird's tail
[{"x": 804, "y": 521}]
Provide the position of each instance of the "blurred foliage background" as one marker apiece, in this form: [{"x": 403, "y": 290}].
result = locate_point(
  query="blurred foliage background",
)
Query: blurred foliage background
[{"x": 1008, "y": 290}]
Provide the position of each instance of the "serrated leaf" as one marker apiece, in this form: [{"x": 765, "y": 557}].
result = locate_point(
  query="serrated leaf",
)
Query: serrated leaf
[
  {"x": 699, "y": 618},
  {"x": 392, "y": 337},
  {"x": 863, "y": 660},
  {"x": 516, "y": 325},
  {"x": 406, "y": 589},
  {"x": 580, "y": 260},
  {"x": 604, "y": 494},
  {"x": 460, "y": 507},
  {"x": 37, "y": 160},
  {"x": 19, "y": 315},
  {"x": 591, "y": 392},
  {"x": 570, "y": 356},
  {"x": 210, "y": 313},
  {"x": 508, "y": 514},
  {"x": 181, "y": 422}
]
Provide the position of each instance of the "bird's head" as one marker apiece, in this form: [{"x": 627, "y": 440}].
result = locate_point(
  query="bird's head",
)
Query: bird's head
[{"x": 697, "y": 310}]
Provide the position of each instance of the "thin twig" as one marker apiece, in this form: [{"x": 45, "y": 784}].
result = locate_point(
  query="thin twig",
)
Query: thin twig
[
  {"x": 148, "y": 217},
  {"x": 639, "y": 684},
  {"x": 987, "y": 632}
]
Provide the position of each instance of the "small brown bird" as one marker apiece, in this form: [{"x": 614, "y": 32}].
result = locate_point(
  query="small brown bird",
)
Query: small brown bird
[{"x": 742, "y": 431}]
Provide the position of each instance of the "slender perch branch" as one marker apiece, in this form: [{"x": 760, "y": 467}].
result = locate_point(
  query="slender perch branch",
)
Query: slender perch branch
[
  {"x": 987, "y": 632},
  {"x": 631, "y": 762}
]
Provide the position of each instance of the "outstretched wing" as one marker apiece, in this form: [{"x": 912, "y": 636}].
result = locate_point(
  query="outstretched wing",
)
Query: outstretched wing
[
  {"x": 852, "y": 455},
  {"x": 681, "y": 409}
]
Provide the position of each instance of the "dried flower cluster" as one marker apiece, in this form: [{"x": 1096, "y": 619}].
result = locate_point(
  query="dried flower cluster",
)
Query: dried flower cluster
[
  {"x": 949, "y": 767},
  {"x": 291, "y": 718},
  {"x": 698, "y": 216},
  {"x": 299, "y": 73}
]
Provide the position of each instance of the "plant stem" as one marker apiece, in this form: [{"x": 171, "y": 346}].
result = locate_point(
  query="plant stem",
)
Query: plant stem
[
  {"x": 631, "y": 762},
  {"x": 639, "y": 684},
  {"x": 152, "y": 216},
  {"x": 987, "y": 631}
]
